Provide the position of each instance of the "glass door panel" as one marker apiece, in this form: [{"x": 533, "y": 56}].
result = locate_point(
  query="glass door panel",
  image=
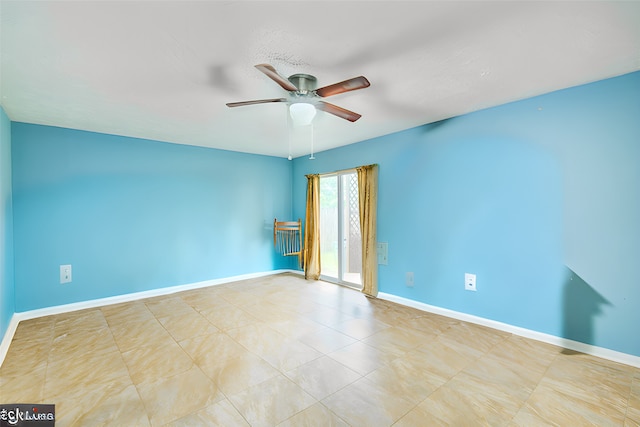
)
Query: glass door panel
[
  {"x": 340, "y": 241},
  {"x": 329, "y": 264}
]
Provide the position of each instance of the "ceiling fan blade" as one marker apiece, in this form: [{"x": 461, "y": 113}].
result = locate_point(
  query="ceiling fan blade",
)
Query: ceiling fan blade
[
  {"x": 273, "y": 75},
  {"x": 258, "y": 101},
  {"x": 338, "y": 111},
  {"x": 352, "y": 84}
]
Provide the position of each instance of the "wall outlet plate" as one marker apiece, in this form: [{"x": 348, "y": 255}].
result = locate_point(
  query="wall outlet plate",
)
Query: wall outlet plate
[
  {"x": 65, "y": 273},
  {"x": 469, "y": 282},
  {"x": 409, "y": 279}
]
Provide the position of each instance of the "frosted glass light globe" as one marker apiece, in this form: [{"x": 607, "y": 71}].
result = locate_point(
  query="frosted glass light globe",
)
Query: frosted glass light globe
[{"x": 302, "y": 113}]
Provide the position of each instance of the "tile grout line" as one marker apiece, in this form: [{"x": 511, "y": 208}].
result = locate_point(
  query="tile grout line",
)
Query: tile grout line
[
  {"x": 142, "y": 401},
  {"x": 544, "y": 374},
  {"x": 379, "y": 313}
]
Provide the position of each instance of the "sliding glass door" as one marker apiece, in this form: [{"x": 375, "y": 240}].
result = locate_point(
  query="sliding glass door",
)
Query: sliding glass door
[{"x": 340, "y": 239}]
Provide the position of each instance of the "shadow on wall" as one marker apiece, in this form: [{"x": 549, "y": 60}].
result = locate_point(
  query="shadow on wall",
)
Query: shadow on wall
[
  {"x": 581, "y": 305},
  {"x": 430, "y": 127}
]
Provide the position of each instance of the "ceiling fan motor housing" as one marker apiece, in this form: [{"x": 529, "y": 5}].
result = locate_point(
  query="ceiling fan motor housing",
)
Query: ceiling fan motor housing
[{"x": 304, "y": 82}]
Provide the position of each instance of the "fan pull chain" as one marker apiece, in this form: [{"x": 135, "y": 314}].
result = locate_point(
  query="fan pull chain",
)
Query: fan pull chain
[
  {"x": 289, "y": 130},
  {"x": 312, "y": 137}
]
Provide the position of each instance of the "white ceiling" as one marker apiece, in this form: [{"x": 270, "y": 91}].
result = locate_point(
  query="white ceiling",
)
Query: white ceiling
[{"x": 164, "y": 70}]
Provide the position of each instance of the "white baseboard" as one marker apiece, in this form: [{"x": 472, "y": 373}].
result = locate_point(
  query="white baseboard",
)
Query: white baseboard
[
  {"x": 100, "y": 302},
  {"x": 8, "y": 336},
  {"x": 604, "y": 353},
  {"x": 592, "y": 350}
]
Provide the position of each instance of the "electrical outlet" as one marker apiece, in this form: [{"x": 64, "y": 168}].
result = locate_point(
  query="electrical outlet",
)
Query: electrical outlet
[
  {"x": 65, "y": 273},
  {"x": 409, "y": 279},
  {"x": 469, "y": 282}
]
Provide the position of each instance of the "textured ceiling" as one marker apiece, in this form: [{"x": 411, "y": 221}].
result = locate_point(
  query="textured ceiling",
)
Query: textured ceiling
[{"x": 164, "y": 70}]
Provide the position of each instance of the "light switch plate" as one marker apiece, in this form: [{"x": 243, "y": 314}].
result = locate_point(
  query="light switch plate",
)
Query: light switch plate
[{"x": 382, "y": 250}]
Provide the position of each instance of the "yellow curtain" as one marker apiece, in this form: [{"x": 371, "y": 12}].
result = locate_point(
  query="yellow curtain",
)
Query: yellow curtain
[
  {"x": 368, "y": 201},
  {"x": 312, "y": 229}
]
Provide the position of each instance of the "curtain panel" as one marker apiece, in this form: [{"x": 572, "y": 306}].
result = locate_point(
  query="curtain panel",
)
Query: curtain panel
[
  {"x": 312, "y": 229},
  {"x": 368, "y": 202}
]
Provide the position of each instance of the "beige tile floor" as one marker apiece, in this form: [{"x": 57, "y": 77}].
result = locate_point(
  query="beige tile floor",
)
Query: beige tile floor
[{"x": 281, "y": 351}]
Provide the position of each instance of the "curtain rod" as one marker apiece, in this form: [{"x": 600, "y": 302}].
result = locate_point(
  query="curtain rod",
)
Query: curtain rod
[{"x": 344, "y": 170}]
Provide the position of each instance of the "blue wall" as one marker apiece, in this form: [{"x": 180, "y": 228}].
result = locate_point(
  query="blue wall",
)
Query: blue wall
[
  {"x": 540, "y": 198},
  {"x": 131, "y": 215},
  {"x": 7, "y": 300}
]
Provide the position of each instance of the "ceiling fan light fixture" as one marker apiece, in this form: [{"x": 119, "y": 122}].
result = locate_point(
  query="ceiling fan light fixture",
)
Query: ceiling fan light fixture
[{"x": 302, "y": 113}]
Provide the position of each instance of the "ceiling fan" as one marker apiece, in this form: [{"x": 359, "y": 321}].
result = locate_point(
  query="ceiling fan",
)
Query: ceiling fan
[{"x": 303, "y": 94}]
